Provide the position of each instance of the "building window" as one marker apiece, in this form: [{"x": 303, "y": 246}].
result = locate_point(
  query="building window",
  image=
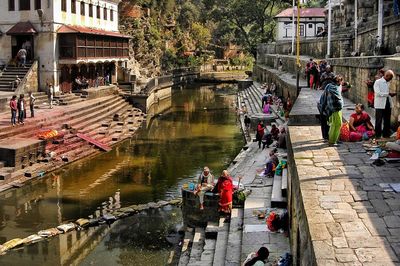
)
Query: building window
[
  {"x": 111, "y": 15},
  {"x": 105, "y": 13},
  {"x": 64, "y": 5},
  {"x": 91, "y": 10},
  {"x": 38, "y": 4},
  {"x": 301, "y": 30},
  {"x": 24, "y": 4},
  {"x": 11, "y": 5},
  {"x": 73, "y": 6},
  {"x": 98, "y": 12},
  {"x": 82, "y": 8},
  {"x": 310, "y": 26}
]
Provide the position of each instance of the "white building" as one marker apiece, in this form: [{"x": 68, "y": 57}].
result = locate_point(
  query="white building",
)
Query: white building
[
  {"x": 68, "y": 38},
  {"x": 312, "y": 21}
]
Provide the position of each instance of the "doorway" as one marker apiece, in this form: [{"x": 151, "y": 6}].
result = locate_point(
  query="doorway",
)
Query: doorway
[{"x": 26, "y": 41}]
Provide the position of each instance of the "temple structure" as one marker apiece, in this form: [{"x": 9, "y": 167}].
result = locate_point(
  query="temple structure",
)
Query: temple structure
[{"x": 65, "y": 38}]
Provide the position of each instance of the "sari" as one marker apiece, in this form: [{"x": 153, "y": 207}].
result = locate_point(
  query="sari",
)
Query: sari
[
  {"x": 360, "y": 123},
  {"x": 225, "y": 190}
]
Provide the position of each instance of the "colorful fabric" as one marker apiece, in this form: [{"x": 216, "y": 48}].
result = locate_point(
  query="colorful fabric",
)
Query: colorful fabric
[
  {"x": 345, "y": 132},
  {"x": 334, "y": 99},
  {"x": 335, "y": 123},
  {"x": 225, "y": 190},
  {"x": 360, "y": 119}
]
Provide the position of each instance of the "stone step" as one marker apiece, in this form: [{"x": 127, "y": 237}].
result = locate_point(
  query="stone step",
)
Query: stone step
[
  {"x": 197, "y": 246},
  {"x": 221, "y": 243},
  {"x": 55, "y": 120},
  {"x": 284, "y": 182},
  {"x": 277, "y": 200},
  {"x": 234, "y": 246},
  {"x": 186, "y": 246}
]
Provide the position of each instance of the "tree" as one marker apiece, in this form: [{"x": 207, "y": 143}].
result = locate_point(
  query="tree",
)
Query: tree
[
  {"x": 252, "y": 21},
  {"x": 201, "y": 35}
]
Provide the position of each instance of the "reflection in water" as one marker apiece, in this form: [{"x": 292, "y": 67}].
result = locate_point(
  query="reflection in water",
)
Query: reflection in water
[{"x": 198, "y": 128}]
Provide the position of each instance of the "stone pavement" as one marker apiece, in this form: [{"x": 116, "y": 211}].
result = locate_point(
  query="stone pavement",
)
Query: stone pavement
[{"x": 352, "y": 216}]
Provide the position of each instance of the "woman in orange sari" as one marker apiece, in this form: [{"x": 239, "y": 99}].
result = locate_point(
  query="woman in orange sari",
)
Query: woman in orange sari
[{"x": 225, "y": 190}]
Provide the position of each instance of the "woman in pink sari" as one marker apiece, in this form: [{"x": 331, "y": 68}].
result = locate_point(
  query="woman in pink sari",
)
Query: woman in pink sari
[{"x": 360, "y": 125}]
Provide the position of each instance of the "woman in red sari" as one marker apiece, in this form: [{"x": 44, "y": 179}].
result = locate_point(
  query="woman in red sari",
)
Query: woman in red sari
[
  {"x": 225, "y": 190},
  {"x": 360, "y": 125}
]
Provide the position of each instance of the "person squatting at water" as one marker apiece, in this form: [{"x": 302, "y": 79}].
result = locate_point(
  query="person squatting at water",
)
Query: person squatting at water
[{"x": 205, "y": 183}]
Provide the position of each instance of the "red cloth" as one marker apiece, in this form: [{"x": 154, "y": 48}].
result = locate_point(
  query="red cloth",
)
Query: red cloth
[
  {"x": 345, "y": 132},
  {"x": 360, "y": 123},
  {"x": 225, "y": 190},
  {"x": 361, "y": 119},
  {"x": 260, "y": 130},
  {"x": 311, "y": 81},
  {"x": 13, "y": 105}
]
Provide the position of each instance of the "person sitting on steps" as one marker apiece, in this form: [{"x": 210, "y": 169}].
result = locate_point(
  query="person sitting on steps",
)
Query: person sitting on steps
[{"x": 205, "y": 183}]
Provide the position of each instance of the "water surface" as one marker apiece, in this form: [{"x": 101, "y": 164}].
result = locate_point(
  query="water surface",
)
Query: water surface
[{"x": 197, "y": 127}]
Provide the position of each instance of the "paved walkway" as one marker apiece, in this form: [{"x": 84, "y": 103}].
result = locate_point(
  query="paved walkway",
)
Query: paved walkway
[{"x": 352, "y": 214}]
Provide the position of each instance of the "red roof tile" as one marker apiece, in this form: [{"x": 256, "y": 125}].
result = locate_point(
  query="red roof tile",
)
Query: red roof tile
[
  {"x": 85, "y": 30},
  {"x": 304, "y": 12},
  {"x": 22, "y": 28}
]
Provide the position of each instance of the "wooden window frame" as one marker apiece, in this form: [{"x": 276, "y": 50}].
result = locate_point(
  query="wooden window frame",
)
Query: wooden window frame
[
  {"x": 38, "y": 4},
  {"x": 91, "y": 10},
  {"x": 24, "y": 5},
  {"x": 111, "y": 15},
  {"x": 73, "y": 6},
  {"x": 83, "y": 7},
  {"x": 11, "y": 5},
  {"x": 64, "y": 5},
  {"x": 98, "y": 13},
  {"x": 105, "y": 13},
  {"x": 100, "y": 46}
]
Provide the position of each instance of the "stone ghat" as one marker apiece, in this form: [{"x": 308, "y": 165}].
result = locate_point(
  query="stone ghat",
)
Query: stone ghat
[
  {"x": 107, "y": 120},
  {"x": 85, "y": 223}
]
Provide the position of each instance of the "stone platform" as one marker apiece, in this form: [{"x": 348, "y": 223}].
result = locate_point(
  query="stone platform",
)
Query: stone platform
[
  {"x": 20, "y": 152},
  {"x": 342, "y": 210}
]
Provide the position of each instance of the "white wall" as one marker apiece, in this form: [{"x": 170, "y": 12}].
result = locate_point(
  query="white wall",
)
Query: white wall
[
  {"x": 45, "y": 43},
  {"x": 284, "y": 27},
  {"x": 68, "y": 17}
]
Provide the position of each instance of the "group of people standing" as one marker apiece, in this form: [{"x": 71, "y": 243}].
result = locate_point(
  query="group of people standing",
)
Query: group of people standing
[
  {"x": 18, "y": 107},
  {"x": 330, "y": 106},
  {"x": 318, "y": 74}
]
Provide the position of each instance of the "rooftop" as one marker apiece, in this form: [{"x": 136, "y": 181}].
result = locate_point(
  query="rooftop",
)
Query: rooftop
[{"x": 304, "y": 12}]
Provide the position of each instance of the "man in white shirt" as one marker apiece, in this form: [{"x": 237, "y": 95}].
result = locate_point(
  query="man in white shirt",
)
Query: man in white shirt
[{"x": 383, "y": 104}]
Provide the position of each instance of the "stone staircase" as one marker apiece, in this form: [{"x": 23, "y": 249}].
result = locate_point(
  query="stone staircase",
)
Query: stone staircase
[
  {"x": 107, "y": 119},
  {"x": 9, "y": 74}
]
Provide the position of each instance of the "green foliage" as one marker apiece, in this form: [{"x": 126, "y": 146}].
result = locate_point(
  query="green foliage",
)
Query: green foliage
[
  {"x": 316, "y": 3},
  {"x": 177, "y": 28},
  {"x": 201, "y": 35}
]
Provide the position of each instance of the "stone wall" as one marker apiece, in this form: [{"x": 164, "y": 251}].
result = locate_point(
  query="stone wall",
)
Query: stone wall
[
  {"x": 30, "y": 83},
  {"x": 356, "y": 70},
  {"x": 343, "y": 42}
]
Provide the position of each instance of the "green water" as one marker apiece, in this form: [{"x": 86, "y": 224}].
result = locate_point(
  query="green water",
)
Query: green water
[{"x": 197, "y": 127}]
